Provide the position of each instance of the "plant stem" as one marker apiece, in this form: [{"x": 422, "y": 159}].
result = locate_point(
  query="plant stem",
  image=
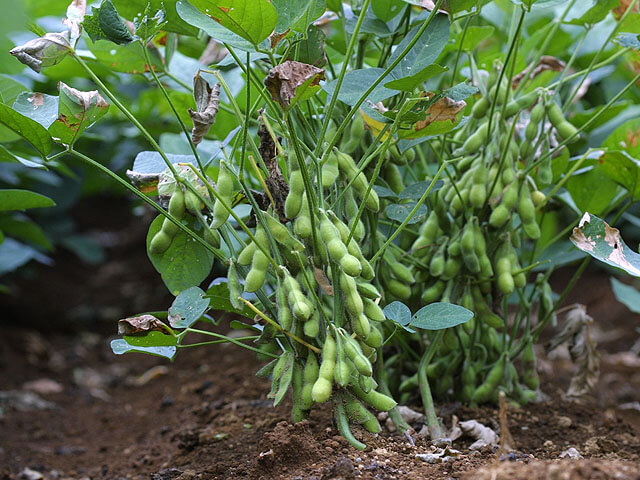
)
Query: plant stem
[
  {"x": 435, "y": 430},
  {"x": 229, "y": 339}
]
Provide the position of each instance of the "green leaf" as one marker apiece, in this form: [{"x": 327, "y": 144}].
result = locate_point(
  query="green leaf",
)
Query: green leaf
[
  {"x": 415, "y": 65},
  {"x": 105, "y": 23},
  {"x": 310, "y": 50},
  {"x": 356, "y": 82},
  {"x": 290, "y": 12},
  {"x": 28, "y": 129},
  {"x": 10, "y": 89},
  {"x": 219, "y": 300},
  {"x": 475, "y": 35},
  {"x": 628, "y": 40},
  {"x": 398, "y": 313},
  {"x": 410, "y": 82},
  {"x": 440, "y": 315},
  {"x": 153, "y": 343},
  {"x": 186, "y": 263},
  {"x": 40, "y": 107},
  {"x": 620, "y": 167},
  {"x": 596, "y": 13},
  {"x": 416, "y": 190},
  {"x": 626, "y": 294},
  {"x": 284, "y": 381},
  {"x": 125, "y": 58},
  {"x": 77, "y": 111},
  {"x": 196, "y": 18},
  {"x": 604, "y": 243},
  {"x": 152, "y": 21},
  {"x": 8, "y": 157},
  {"x": 400, "y": 211},
  {"x": 188, "y": 307},
  {"x": 591, "y": 189},
  {"x": 253, "y": 20},
  {"x": 19, "y": 226},
  {"x": 604, "y": 115},
  {"x": 14, "y": 199},
  {"x": 385, "y": 10},
  {"x": 173, "y": 23},
  {"x": 14, "y": 254}
]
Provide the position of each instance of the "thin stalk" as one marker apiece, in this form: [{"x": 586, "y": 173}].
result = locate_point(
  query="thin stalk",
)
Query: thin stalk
[
  {"x": 229, "y": 339},
  {"x": 435, "y": 429}
]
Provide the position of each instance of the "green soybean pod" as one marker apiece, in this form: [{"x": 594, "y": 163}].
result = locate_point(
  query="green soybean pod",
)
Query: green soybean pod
[
  {"x": 377, "y": 400},
  {"x": 451, "y": 267},
  {"x": 373, "y": 311},
  {"x": 298, "y": 413},
  {"x": 391, "y": 174},
  {"x": 302, "y": 223},
  {"x": 246, "y": 254},
  {"x": 212, "y": 237},
  {"x": 354, "y": 353},
  {"x": 499, "y": 216},
  {"x": 359, "y": 414},
  {"x": 160, "y": 242},
  {"x": 293, "y": 202},
  {"x": 330, "y": 170},
  {"x": 436, "y": 266},
  {"x": 322, "y": 387},
  {"x": 526, "y": 209},
  {"x": 493, "y": 379},
  {"x": 192, "y": 203},
  {"x": 257, "y": 273},
  {"x": 311, "y": 327},
  {"x": 309, "y": 377},
  {"x": 401, "y": 271},
  {"x": 564, "y": 128},
  {"x": 475, "y": 141},
  {"x": 397, "y": 288},
  {"x": 284, "y": 312},
  {"x": 342, "y": 422},
  {"x": 224, "y": 187},
  {"x": 374, "y": 339},
  {"x": 342, "y": 369},
  {"x": 480, "y": 108},
  {"x": 434, "y": 292},
  {"x": 367, "y": 290},
  {"x": 361, "y": 326}
]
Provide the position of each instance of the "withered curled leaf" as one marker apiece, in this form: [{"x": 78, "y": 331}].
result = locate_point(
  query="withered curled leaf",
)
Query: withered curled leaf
[
  {"x": 141, "y": 324},
  {"x": 44, "y": 51},
  {"x": 292, "y": 80},
  {"x": 582, "y": 348},
  {"x": 546, "y": 63},
  {"x": 207, "y": 101},
  {"x": 443, "y": 109},
  {"x": 75, "y": 16}
]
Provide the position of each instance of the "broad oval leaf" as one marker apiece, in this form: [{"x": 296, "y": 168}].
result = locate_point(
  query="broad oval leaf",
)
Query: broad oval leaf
[
  {"x": 186, "y": 263},
  {"x": 196, "y": 18},
  {"x": 400, "y": 211},
  {"x": 626, "y": 294},
  {"x": 153, "y": 343},
  {"x": 130, "y": 8},
  {"x": 28, "y": 129},
  {"x": 398, "y": 313},
  {"x": 595, "y": 237},
  {"x": 188, "y": 307},
  {"x": 16, "y": 199},
  {"x": 440, "y": 315},
  {"x": 253, "y": 20},
  {"x": 356, "y": 82}
]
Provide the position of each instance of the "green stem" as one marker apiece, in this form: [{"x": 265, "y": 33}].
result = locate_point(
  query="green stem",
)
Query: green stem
[
  {"x": 235, "y": 341},
  {"x": 435, "y": 429}
]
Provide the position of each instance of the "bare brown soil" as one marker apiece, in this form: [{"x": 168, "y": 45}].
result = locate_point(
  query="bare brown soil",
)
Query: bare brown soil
[{"x": 206, "y": 416}]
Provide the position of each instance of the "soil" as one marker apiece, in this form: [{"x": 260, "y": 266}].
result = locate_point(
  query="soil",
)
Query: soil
[{"x": 70, "y": 409}]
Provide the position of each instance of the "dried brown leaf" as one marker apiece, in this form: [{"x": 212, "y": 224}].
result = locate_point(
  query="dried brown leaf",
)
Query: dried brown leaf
[
  {"x": 323, "y": 281},
  {"x": 213, "y": 53},
  {"x": 443, "y": 109},
  {"x": 276, "y": 184},
  {"x": 284, "y": 79},
  {"x": 86, "y": 100},
  {"x": 141, "y": 324},
  {"x": 207, "y": 102},
  {"x": 582, "y": 348},
  {"x": 45, "y": 51},
  {"x": 75, "y": 15}
]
